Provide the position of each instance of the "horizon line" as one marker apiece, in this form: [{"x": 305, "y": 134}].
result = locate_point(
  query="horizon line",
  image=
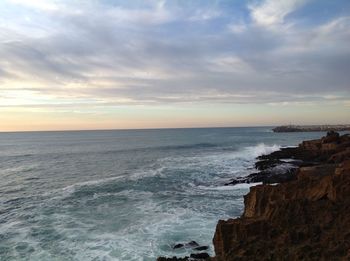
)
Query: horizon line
[
  {"x": 174, "y": 128},
  {"x": 129, "y": 129}
]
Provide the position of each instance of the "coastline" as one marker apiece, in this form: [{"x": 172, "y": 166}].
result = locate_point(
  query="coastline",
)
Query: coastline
[
  {"x": 311, "y": 128},
  {"x": 298, "y": 214}
]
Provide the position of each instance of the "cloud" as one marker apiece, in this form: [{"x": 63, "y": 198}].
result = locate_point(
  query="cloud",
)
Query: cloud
[
  {"x": 238, "y": 27},
  {"x": 36, "y": 4},
  {"x": 98, "y": 54},
  {"x": 273, "y": 12},
  {"x": 203, "y": 15}
]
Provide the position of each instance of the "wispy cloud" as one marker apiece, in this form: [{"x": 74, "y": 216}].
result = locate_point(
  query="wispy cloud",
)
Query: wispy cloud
[
  {"x": 273, "y": 12},
  {"x": 159, "y": 52}
]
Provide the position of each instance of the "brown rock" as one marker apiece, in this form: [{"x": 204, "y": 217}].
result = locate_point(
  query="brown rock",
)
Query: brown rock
[
  {"x": 311, "y": 145},
  {"x": 340, "y": 156},
  {"x": 304, "y": 219},
  {"x": 343, "y": 168},
  {"x": 332, "y": 136}
]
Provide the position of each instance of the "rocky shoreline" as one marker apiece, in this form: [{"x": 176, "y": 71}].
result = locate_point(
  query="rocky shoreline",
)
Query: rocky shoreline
[
  {"x": 300, "y": 212},
  {"x": 296, "y": 128}
]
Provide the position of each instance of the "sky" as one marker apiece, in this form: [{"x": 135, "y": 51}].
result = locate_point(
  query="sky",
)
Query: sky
[{"x": 112, "y": 64}]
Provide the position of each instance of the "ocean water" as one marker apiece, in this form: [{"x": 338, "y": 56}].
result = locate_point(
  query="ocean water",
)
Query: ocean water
[{"x": 123, "y": 195}]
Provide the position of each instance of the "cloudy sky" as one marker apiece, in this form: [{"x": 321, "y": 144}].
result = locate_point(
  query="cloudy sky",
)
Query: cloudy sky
[{"x": 96, "y": 64}]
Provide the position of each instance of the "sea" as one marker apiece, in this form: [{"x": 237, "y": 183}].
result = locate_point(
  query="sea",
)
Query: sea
[{"x": 123, "y": 194}]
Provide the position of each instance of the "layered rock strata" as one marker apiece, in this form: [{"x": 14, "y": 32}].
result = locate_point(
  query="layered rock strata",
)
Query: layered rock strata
[{"x": 306, "y": 218}]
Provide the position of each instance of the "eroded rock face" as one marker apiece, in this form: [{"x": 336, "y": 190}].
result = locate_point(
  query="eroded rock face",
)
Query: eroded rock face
[{"x": 304, "y": 219}]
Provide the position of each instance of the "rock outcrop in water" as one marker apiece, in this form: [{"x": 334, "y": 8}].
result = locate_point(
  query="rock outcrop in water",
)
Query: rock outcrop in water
[
  {"x": 295, "y": 128},
  {"x": 282, "y": 165},
  {"x": 194, "y": 256},
  {"x": 194, "y": 246},
  {"x": 306, "y": 218}
]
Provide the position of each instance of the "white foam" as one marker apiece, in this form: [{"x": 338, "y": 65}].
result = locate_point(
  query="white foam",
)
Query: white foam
[
  {"x": 152, "y": 172},
  {"x": 154, "y": 220},
  {"x": 291, "y": 160},
  {"x": 262, "y": 149},
  {"x": 230, "y": 187},
  {"x": 71, "y": 189}
]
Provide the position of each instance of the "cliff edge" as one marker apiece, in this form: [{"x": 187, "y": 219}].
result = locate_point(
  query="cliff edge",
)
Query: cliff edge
[{"x": 307, "y": 218}]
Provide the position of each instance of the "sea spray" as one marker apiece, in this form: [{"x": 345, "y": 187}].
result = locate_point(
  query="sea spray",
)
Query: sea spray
[{"x": 127, "y": 195}]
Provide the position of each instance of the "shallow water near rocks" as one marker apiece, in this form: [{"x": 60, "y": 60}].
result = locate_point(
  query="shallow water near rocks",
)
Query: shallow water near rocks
[{"x": 123, "y": 195}]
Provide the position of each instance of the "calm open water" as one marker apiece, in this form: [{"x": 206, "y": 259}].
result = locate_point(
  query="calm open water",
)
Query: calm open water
[{"x": 123, "y": 195}]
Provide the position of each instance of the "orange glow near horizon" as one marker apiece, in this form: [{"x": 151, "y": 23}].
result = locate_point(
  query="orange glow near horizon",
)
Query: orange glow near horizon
[
  {"x": 68, "y": 65},
  {"x": 143, "y": 117}
]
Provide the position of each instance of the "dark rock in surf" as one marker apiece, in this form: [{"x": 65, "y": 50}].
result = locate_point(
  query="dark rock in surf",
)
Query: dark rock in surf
[
  {"x": 277, "y": 174},
  {"x": 192, "y": 244},
  {"x": 177, "y": 246},
  {"x": 267, "y": 163},
  {"x": 201, "y": 248},
  {"x": 186, "y": 258},
  {"x": 279, "y": 166},
  {"x": 200, "y": 256}
]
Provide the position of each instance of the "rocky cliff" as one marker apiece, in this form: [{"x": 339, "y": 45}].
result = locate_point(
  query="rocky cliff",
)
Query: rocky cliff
[{"x": 305, "y": 218}]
